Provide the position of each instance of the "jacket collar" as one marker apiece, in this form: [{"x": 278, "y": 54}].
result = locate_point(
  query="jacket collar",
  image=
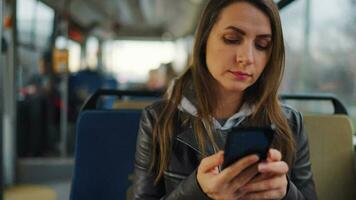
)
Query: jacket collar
[{"x": 188, "y": 105}]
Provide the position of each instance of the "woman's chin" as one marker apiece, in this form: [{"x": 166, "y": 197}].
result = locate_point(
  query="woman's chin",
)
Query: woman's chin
[{"x": 236, "y": 88}]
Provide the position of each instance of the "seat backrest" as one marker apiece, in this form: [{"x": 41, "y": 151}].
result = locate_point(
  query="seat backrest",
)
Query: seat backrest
[
  {"x": 332, "y": 156},
  {"x": 104, "y": 157},
  {"x": 131, "y": 104}
]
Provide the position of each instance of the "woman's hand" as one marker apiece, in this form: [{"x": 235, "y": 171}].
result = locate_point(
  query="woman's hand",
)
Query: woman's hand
[
  {"x": 272, "y": 182},
  {"x": 226, "y": 184}
]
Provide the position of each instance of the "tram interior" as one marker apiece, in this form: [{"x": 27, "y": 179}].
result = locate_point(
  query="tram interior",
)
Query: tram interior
[{"x": 56, "y": 54}]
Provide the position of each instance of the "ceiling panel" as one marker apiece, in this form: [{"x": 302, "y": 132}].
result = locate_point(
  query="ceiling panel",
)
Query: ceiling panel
[{"x": 136, "y": 18}]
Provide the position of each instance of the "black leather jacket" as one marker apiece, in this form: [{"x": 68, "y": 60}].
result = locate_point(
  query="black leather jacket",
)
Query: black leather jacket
[{"x": 179, "y": 180}]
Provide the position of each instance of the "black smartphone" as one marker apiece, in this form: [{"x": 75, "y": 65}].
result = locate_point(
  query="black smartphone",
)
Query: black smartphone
[{"x": 242, "y": 142}]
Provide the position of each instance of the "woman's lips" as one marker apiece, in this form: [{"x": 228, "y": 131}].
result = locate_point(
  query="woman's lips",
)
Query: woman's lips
[{"x": 241, "y": 75}]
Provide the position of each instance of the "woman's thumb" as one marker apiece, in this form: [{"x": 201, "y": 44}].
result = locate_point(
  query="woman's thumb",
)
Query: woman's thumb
[{"x": 212, "y": 161}]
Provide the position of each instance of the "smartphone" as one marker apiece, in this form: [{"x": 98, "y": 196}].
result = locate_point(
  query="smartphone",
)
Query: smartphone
[{"x": 242, "y": 142}]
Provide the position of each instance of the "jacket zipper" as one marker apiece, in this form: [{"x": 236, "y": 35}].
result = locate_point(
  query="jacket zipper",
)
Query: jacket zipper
[{"x": 177, "y": 176}]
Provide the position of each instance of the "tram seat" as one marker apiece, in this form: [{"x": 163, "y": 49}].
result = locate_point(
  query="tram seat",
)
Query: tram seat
[
  {"x": 104, "y": 158},
  {"x": 106, "y": 141},
  {"x": 332, "y": 156},
  {"x": 132, "y": 104}
]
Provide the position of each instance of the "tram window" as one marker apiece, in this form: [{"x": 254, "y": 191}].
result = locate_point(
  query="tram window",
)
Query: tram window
[
  {"x": 74, "y": 56},
  {"x": 74, "y": 52},
  {"x": 319, "y": 49},
  {"x": 92, "y": 48},
  {"x": 131, "y": 61},
  {"x": 312, "y": 107},
  {"x": 35, "y": 23},
  {"x": 44, "y": 24},
  {"x": 25, "y": 19}
]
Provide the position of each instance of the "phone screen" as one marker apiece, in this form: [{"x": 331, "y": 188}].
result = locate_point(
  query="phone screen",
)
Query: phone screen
[{"x": 242, "y": 142}]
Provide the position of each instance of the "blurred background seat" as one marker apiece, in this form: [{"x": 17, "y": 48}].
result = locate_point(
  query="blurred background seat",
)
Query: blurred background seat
[
  {"x": 332, "y": 156},
  {"x": 105, "y": 148}
]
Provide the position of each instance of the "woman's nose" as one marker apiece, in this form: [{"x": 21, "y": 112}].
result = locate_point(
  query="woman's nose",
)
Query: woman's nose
[{"x": 245, "y": 54}]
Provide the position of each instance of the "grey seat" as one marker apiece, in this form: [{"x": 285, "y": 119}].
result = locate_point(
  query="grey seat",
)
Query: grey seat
[{"x": 332, "y": 156}]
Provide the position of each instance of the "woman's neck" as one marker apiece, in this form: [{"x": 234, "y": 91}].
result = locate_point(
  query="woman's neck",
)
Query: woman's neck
[{"x": 228, "y": 103}]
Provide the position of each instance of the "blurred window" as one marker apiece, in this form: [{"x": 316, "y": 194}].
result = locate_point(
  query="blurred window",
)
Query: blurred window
[
  {"x": 131, "y": 61},
  {"x": 92, "y": 48},
  {"x": 74, "y": 52},
  {"x": 320, "y": 42},
  {"x": 35, "y": 23}
]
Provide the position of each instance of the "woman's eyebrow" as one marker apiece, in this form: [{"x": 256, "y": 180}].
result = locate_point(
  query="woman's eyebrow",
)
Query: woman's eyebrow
[
  {"x": 265, "y": 36},
  {"x": 236, "y": 29}
]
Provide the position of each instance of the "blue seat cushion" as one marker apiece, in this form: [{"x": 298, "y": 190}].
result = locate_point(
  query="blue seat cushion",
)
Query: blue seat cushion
[{"x": 105, "y": 150}]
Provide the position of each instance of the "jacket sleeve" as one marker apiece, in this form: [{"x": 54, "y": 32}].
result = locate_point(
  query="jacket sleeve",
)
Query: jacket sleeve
[
  {"x": 300, "y": 183},
  {"x": 144, "y": 183}
]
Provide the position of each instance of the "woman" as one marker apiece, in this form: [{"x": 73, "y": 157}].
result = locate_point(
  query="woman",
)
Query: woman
[{"x": 237, "y": 67}]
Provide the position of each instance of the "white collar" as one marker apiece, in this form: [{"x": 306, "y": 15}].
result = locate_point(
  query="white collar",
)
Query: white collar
[{"x": 233, "y": 121}]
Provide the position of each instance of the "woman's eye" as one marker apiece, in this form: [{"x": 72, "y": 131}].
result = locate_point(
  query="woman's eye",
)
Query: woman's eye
[
  {"x": 262, "y": 46},
  {"x": 231, "y": 40}
]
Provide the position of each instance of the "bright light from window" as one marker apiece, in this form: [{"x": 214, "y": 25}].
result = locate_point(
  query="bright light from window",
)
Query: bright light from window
[
  {"x": 44, "y": 24},
  {"x": 34, "y": 22},
  {"x": 74, "y": 56},
  {"x": 74, "y": 52},
  {"x": 24, "y": 14},
  {"x": 132, "y": 60},
  {"x": 92, "y": 52}
]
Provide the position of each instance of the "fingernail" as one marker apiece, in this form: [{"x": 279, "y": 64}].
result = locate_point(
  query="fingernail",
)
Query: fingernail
[{"x": 256, "y": 157}]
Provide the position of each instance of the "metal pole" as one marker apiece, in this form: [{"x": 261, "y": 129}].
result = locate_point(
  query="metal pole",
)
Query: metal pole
[
  {"x": 64, "y": 93},
  {"x": 10, "y": 100},
  {"x": 1, "y": 103},
  {"x": 63, "y": 115},
  {"x": 100, "y": 60},
  {"x": 306, "y": 52}
]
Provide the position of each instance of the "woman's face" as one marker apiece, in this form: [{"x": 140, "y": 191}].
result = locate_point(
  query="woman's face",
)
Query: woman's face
[{"x": 238, "y": 47}]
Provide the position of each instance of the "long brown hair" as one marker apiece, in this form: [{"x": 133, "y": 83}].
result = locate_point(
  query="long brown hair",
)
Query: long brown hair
[{"x": 263, "y": 94}]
